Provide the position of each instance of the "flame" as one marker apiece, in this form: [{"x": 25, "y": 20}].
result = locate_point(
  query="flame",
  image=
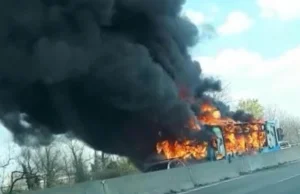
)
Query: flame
[
  {"x": 238, "y": 138},
  {"x": 255, "y": 136},
  {"x": 262, "y": 138},
  {"x": 230, "y": 143},
  {"x": 192, "y": 124},
  {"x": 240, "y": 144},
  {"x": 210, "y": 115},
  {"x": 184, "y": 149}
]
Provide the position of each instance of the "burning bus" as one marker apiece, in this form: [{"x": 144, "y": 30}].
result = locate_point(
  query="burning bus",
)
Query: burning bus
[
  {"x": 229, "y": 138},
  {"x": 243, "y": 138}
]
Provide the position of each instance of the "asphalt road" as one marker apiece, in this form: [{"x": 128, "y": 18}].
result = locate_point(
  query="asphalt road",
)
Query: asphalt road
[{"x": 282, "y": 180}]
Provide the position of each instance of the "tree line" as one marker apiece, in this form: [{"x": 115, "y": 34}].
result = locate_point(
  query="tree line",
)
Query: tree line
[
  {"x": 63, "y": 162},
  {"x": 289, "y": 124}
]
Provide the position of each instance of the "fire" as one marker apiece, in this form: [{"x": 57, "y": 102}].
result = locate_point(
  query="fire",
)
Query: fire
[
  {"x": 230, "y": 139},
  {"x": 238, "y": 138},
  {"x": 192, "y": 124},
  {"x": 257, "y": 134},
  {"x": 210, "y": 115},
  {"x": 240, "y": 144},
  {"x": 262, "y": 138},
  {"x": 184, "y": 149}
]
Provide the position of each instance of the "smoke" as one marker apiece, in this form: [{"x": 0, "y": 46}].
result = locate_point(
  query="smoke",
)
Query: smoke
[
  {"x": 115, "y": 73},
  {"x": 109, "y": 71},
  {"x": 242, "y": 116}
]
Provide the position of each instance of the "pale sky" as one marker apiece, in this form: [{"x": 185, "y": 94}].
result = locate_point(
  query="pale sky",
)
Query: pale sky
[{"x": 257, "y": 49}]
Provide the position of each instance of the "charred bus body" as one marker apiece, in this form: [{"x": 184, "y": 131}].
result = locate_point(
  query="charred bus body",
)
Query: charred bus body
[
  {"x": 238, "y": 139},
  {"x": 230, "y": 140}
]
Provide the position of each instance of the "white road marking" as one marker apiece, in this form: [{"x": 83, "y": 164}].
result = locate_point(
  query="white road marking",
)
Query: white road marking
[
  {"x": 237, "y": 178},
  {"x": 288, "y": 178}
]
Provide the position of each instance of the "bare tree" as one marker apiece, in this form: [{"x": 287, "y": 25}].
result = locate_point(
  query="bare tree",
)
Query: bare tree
[
  {"x": 79, "y": 167},
  {"x": 29, "y": 171},
  {"x": 36, "y": 165},
  {"x": 27, "y": 175},
  {"x": 9, "y": 157},
  {"x": 289, "y": 123},
  {"x": 271, "y": 112},
  {"x": 68, "y": 168},
  {"x": 15, "y": 177},
  {"x": 4, "y": 163},
  {"x": 291, "y": 127},
  {"x": 101, "y": 160},
  {"x": 49, "y": 164},
  {"x": 13, "y": 181},
  {"x": 100, "y": 164}
]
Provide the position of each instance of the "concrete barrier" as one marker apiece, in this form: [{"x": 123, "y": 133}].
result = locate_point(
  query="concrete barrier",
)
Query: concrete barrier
[
  {"x": 178, "y": 179},
  {"x": 289, "y": 155},
  {"x": 260, "y": 161},
  {"x": 214, "y": 171},
  {"x": 252, "y": 163},
  {"x": 151, "y": 183}
]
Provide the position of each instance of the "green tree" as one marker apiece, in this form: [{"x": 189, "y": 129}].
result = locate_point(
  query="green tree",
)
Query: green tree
[{"x": 251, "y": 106}]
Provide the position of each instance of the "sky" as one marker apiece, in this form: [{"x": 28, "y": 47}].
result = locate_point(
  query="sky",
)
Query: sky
[{"x": 257, "y": 50}]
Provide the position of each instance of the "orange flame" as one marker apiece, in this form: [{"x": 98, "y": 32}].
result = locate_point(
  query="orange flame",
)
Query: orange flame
[
  {"x": 192, "y": 124},
  {"x": 184, "y": 149},
  {"x": 239, "y": 138}
]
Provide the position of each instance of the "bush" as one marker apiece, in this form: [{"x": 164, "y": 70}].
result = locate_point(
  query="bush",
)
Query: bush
[
  {"x": 115, "y": 169},
  {"x": 106, "y": 174}
]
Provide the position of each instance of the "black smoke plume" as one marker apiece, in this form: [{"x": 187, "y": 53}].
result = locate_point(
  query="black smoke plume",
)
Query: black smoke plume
[
  {"x": 242, "y": 116},
  {"x": 116, "y": 73}
]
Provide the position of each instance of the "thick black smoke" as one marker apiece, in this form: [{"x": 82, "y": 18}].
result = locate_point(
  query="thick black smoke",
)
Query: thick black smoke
[
  {"x": 110, "y": 71},
  {"x": 242, "y": 116},
  {"x": 238, "y": 115}
]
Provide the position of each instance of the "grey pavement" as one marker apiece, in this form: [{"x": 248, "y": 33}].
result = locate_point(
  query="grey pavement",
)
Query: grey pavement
[{"x": 282, "y": 180}]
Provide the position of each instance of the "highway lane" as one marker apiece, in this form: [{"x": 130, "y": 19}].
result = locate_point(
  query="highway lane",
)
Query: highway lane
[{"x": 282, "y": 180}]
